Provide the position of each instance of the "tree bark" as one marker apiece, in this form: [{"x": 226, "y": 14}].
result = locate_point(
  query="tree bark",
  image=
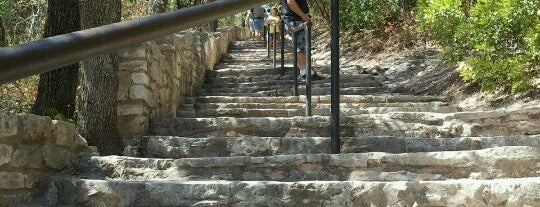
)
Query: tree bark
[
  {"x": 3, "y": 37},
  {"x": 159, "y": 6},
  {"x": 57, "y": 89},
  {"x": 212, "y": 26},
  {"x": 99, "y": 88}
]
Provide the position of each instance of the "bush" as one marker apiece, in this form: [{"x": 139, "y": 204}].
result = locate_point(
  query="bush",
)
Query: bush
[
  {"x": 498, "y": 40},
  {"x": 369, "y": 14},
  {"x": 441, "y": 19}
]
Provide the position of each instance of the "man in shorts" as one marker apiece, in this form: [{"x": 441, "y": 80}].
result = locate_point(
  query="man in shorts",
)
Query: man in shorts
[
  {"x": 258, "y": 14},
  {"x": 297, "y": 12}
]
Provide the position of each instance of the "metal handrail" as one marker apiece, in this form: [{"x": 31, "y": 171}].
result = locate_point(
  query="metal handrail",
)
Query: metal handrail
[
  {"x": 51, "y": 53},
  {"x": 293, "y": 31}
]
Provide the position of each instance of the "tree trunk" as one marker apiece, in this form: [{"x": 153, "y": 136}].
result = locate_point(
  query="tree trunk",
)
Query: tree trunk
[
  {"x": 57, "y": 89},
  {"x": 3, "y": 37},
  {"x": 99, "y": 91},
  {"x": 159, "y": 6},
  {"x": 212, "y": 26}
]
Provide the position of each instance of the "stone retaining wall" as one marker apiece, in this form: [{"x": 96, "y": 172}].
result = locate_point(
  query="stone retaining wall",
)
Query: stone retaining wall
[
  {"x": 155, "y": 76},
  {"x": 33, "y": 148}
]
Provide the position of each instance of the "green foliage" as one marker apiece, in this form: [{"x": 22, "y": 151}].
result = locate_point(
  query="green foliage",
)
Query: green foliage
[
  {"x": 442, "y": 19},
  {"x": 369, "y": 14},
  {"x": 55, "y": 115},
  {"x": 492, "y": 72},
  {"x": 4, "y": 9},
  {"x": 498, "y": 40},
  {"x": 533, "y": 41}
]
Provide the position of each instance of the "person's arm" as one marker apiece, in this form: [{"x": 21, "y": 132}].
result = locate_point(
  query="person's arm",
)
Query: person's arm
[{"x": 296, "y": 9}]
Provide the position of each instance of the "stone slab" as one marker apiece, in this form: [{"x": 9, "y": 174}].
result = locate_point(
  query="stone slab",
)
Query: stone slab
[{"x": 451, "y": 193}]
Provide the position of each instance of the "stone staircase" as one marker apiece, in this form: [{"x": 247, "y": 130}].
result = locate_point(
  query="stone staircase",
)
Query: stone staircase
[{"x": 243, "y": 141}]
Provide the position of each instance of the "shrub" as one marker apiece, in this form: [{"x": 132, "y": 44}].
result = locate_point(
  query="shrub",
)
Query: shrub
[
  {"x": 369, "y": 14},
  {"x": 498, "y": 40}
]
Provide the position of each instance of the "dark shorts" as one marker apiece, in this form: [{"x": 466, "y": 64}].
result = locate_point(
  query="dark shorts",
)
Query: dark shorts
[
  {"x": 300, "y": 37},
  {"x": 258, "y": 24}
]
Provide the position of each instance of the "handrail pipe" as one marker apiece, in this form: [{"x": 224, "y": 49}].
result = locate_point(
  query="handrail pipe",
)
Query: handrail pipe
[{"x": 54, "y": 52}]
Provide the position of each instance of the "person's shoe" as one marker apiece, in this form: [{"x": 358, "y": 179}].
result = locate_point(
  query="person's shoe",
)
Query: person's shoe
[{"x": 316, "y": 77}]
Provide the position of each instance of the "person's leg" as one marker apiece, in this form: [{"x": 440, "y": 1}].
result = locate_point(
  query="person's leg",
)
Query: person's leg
[
  {"x": 301, "y": 62},
  {"x": 302, "y": 65},
  {"x": 301, "y": 55}
]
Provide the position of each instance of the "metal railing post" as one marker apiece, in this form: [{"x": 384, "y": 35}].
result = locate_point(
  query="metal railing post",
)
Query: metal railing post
[
  {"x": 308, "y": 68},
  {"x": 282, "y": 37},
  {"x": 274, "y": 46},
  {"x": 335, "y": 140},
  {"x": 267, "y": 37},
  {"x": 295, "y": 63}
]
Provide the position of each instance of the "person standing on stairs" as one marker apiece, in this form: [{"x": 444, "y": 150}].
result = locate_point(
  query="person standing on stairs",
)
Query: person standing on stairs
[
  {"x": 273, "y": 24},
  {"x": 297, "y": 13},
  {"x": 258, "y": 14}
]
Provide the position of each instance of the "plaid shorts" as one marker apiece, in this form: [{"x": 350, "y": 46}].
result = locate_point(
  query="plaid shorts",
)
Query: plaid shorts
[{"x": 300, "y": 37}]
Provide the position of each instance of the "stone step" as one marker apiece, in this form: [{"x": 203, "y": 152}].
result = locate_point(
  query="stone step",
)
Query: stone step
[
  {"x": 413, "y": 124},
  {"x": 245, "y": 55},
  {"x": 251, "y": 55},
  {"x": 249, "y": 79},
  {"x": 279, "y": 79},
  {"x": 318, "y": 110},
  {"x": 229, "y": 71},
  {"x": 435, "y": 105},
  {"x": 278, "y": 84},
  {"x": 366, "y": 99},
  {"x": 248, "y": 43},
  {"x": 182, "y": 147},
  {"x": 452, "y": 193},
  {"x": 260, "y": 50},
  {"x": 491, "y": 163},
  {"x": 289, "y": 91},
  {"x": 238, "y": 60},
  {"x": 255, "y": 70}
]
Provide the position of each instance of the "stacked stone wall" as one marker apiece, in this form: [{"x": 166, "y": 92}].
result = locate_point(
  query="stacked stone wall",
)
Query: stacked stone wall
[
  {"x": 156, "y": 75},
  {"x": 32, "y": 149}
]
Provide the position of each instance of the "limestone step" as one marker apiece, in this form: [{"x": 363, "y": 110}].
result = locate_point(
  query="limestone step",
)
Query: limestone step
[
  {"x": 256, "y": 55},
  {"x": 435, "y": 105},
  {"x": 251, "y": 58},
  {"x": 278, "y": 79},
  {"x": 247, "y": 45},
  {"x": 289, "y": 91},
  {"x": 246, "y": 60},
  {"x": 249, "y": 79},
  {"x": 491, "y": 163},
  {"x": 414, "y": 124},
  {"x": 257, "y": 75},
  {"x": 242, "y": 72},
  {"x": 318, "y": 110},
  {"x": 250, "y": 70},
  {"x": 183, "y": 147},
  {"x": 451, "y": 193},
  {"x": 260, "y": 66},
  {"x": 253, "y": 51},
  {"x": 278, "y": 84},
  {"x": 366, "y": 99}
]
